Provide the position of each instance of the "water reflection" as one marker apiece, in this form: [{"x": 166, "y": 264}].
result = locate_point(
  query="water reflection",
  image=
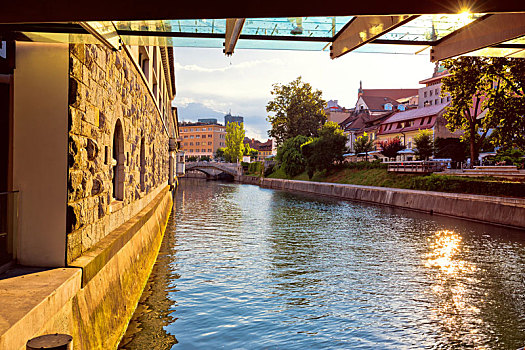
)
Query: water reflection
[{"x": 254, "y": 268}]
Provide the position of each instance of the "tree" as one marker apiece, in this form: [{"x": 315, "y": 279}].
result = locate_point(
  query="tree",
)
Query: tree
[
  {"x": 325, "y": 151},
  {"x": 487, "y": 95},
  {"x": 234, "y": 142},
  {"x": 507, "y": 103},
  {"x": 298, "y": 110},
  {"x": 219, "y": 154},
  {"x": 290, "y": 157},
  {"x": 424, "y": 144},
  {"x": 390, "y": 147},
  {"x": 452, "y": 148},
  {"x": 363, "y": 145}
]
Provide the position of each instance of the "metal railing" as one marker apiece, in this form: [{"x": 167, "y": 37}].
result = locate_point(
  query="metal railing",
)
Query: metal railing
[
  {"x": 8, "y": 226},
  {"x": 422, "y": 167}
]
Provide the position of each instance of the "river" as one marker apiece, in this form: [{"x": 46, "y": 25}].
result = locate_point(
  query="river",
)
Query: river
[{"x": 242, "y": 267}]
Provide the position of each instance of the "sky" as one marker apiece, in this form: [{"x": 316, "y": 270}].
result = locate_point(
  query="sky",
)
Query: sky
[{"x": 209, "y": 84}]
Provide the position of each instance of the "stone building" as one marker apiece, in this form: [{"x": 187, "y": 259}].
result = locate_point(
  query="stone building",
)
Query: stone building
[{"x": 88, "y": 165}]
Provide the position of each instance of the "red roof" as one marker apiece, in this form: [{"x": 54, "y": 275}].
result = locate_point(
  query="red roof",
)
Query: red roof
[
  {"x": 415, "y": 113},
  {"x": 395, "y": 94}
]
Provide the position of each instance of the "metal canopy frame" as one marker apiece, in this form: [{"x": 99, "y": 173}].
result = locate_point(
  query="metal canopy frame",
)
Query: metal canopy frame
[{"x": 342, "y": 34}]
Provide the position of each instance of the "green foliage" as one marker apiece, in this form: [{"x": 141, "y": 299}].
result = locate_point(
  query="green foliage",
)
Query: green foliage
[
  {"x": 424, "y": 144},
  {"x": 234, "y": 142},
  {"x": 511, "y": 156},
  {"x": 298, "y": 110},
  {"x": 493, "y": 84},
  {"x": 454, "y": 184},
  {"x": 290, "y": 157},
  {"x": 376, "y": 164},
  {"x": 192, "y": 159},
  {"x": 205, "y": 158},
  {"x": 256, "y": 168},
  {"x": 219, "y": 154},
  {"x": 452, "y": 148},
  {"x": 325, "y": 151},
  {"x": 390, "y": 147},
  {"x": 363, "y": 145}
]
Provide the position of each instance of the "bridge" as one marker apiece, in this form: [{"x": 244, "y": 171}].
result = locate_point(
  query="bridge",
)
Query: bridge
[{"x": 211, "y": 168}]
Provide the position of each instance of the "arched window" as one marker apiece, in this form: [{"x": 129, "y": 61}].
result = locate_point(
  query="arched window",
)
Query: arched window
[
  {"x": 142, "y": 165},
  {"x": 118, "y": 162}
]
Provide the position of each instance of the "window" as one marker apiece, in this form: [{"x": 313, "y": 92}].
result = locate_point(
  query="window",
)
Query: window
[
  {"x": 388, "y": 106},
  {"x": 430, "y": 103},
  {"x": 191, "y": 136},
  {"x": 441, "y": 99},
  {"x": 429, "y": 120},
  {"x": 430, "y": 93},
  {"x": 118, "y": 162},
  {"x": 437, "y": 92},
  {"x": 399, "y": 125},
  {"x": 209, "y": 143},
  {"x": 421, "y": 121},
  {"x": 203, "y": 136},
  {"x": 185, "y": 143},
  {"x": 144, "y": 61},
  {"x": 203, "y": 150},
  {"x": 425, "y": 94},
  {"x": 197, "y": 136},
  {"x": 191, "y": 143},
  {"x": 197, "y": 143},
  {"x": 142, "y": 165},
  {"x": 436, "y": 101},
  {"x": 209, "y": 129},
  {"x": 209, "y": 136}
]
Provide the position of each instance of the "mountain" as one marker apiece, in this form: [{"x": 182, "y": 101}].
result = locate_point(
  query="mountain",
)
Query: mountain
[{"x": 193, "y": 111}]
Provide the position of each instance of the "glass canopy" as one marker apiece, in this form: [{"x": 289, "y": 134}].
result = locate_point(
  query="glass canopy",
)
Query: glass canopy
[{"x": 288, "y": 33}]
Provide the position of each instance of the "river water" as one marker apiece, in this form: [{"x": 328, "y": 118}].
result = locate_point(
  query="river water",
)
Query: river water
[{"x": 243, "y": 267}]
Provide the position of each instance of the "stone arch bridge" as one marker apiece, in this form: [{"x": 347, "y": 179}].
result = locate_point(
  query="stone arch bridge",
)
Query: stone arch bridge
[{"x": 214, "y": 169}]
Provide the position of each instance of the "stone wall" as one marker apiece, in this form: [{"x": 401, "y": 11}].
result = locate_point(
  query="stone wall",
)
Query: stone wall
[
  {"x": 488, "y": 209},
  {"x": 106, "y": 86}
]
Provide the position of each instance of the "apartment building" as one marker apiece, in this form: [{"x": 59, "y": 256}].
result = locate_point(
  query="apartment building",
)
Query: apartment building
[{"x": 201, "y": 139}]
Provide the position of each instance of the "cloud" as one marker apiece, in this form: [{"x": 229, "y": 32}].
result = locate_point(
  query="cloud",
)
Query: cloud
[{"x": 242, "y": 65}]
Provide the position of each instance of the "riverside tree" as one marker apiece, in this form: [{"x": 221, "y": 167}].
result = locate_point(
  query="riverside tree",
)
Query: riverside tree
[
  {"x": 487, "y": 94},
  {"x": 325, "y": 151},
  {"x": 363, "y": 144},
  {"x": 424, "y": 144},
  {"x": 297, "y": 109},
  {"x": 234, "y": 142},
  {"x": 290, "y": 157},
  {"x": 390, "y": 147}
]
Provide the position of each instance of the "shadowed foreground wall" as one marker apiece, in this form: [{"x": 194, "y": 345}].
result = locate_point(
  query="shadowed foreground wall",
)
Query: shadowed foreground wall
[{"x": 99, "y": 292}]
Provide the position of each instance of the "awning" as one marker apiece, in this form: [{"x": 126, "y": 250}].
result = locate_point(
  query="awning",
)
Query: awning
[{"x": 440, "y": 35}]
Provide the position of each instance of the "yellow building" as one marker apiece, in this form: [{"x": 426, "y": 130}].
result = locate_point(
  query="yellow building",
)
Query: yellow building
[{"x": 201, "y": 139}]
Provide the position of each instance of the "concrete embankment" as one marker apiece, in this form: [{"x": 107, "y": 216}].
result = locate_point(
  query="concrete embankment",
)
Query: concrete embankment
[
  {"x": 488, "y": 209},
  {"x": 94, "y": 298}
]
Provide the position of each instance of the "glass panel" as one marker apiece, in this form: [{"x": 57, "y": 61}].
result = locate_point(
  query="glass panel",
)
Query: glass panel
[
  {"x": 175, "y": 42},
  {"x": 8, "y": 225},
  {"x": 282, "y": 45},
  {"x": 430, "y": 27},
  {"x": 315, "y": 27},
  {"x": 62, "y": 38},
  {"x": 208, "y": 26},
  {"x": 393, "y": 49}
]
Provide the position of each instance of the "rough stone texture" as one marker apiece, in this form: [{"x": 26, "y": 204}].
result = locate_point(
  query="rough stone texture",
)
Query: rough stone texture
[
  {"x": 487, "y": 209},
  {"x": 94, "y": 311},
  {"x": 104, "y": 87}
]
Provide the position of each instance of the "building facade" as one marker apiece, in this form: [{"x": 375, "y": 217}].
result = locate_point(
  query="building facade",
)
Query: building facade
[
  {"x": 201, "y": 139},
  {"x": 228, "y": 118},
  {"x": 89, "y": 155}
]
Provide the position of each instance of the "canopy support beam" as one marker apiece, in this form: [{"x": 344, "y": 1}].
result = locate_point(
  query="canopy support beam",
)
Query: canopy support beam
[
  {"x": 488, "y": 31},
  {"x": 362, "y": 30},
  {"x": 233, "y": 31}
]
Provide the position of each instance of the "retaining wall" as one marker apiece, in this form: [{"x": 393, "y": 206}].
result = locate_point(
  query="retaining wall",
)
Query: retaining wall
[
  {"x": 95, "y": 297},
  {"x": 488, "y": 209}
]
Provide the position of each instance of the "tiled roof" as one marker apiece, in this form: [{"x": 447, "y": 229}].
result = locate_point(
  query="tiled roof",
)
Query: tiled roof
[
  {"x": 392, "y": 93},
  {"x": 378, "y": 102},
  {"x": 415, "y": 113}
]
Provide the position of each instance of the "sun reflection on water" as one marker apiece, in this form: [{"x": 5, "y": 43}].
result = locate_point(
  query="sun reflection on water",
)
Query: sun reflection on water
[{"x": 454, "y": 277}]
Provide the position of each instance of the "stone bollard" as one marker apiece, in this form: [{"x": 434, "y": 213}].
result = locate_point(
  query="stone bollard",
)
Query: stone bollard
[{"x": 50, "y": 341}]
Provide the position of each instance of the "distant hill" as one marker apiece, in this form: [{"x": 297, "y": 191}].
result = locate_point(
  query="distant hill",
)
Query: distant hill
[{"x": 193, "y": 111}]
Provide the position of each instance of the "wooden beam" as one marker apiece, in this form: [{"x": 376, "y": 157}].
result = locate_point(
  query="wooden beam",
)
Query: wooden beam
[
  {"x": 490, "y": 31},
  {"x": 233, "y": 30},
  {"x": 362, "y": 30}
]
